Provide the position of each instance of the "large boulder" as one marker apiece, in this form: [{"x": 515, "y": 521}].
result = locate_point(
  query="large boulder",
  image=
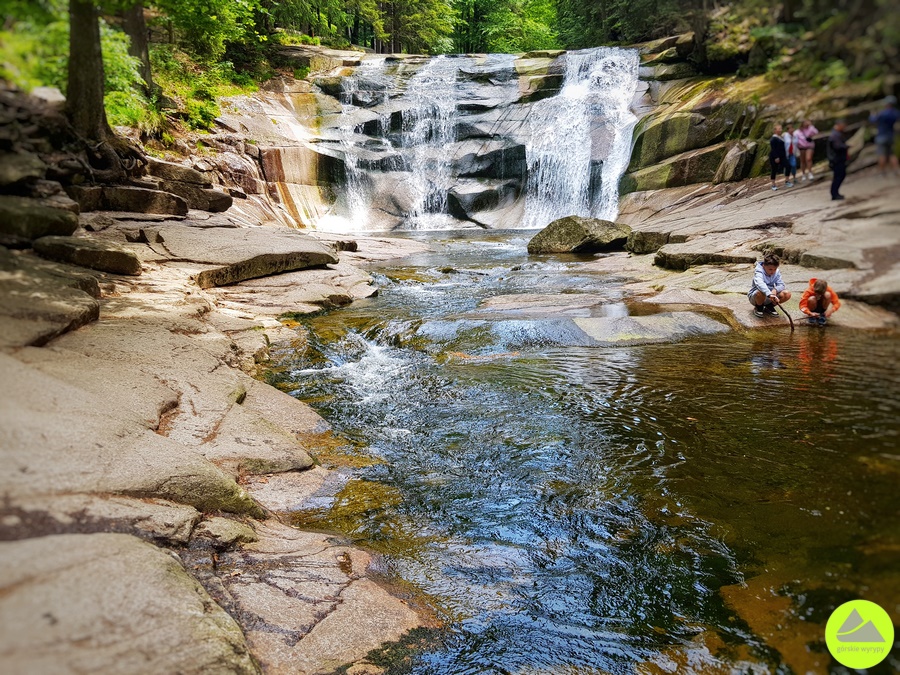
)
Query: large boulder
[
  {"x": 577, "y": 234},
  {"x": 110, "y": 603},
  {"x": 659, "y": 137},
  {"x": 23, "y": 220},
  {"x": 695, "y": 166},
  {"x": 97, "y": 254},
  {"x": 238, "y": 254}
]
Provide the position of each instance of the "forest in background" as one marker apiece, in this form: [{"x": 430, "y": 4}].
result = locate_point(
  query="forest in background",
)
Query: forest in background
[{"x": 201, "y": 50}]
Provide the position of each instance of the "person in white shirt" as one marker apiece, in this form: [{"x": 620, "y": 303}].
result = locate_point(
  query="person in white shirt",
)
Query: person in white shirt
[{"x": 792, "y": 150}]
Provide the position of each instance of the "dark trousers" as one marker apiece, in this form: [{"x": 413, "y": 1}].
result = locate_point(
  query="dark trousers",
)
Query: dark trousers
[{"x": 840, "y": 173}]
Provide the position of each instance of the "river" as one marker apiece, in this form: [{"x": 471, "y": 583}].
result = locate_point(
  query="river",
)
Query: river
[{"x": 699, "y": 506}]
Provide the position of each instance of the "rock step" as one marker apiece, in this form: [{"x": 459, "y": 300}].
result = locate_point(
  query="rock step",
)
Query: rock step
[{"x": 102, "y": 255}]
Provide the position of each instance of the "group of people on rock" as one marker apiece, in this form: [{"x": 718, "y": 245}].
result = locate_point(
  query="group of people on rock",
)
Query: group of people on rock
[
  {"x": 818, "y": 302},
  {"x": 790, "y": 150},
  {"x": 794, "y": 148}
]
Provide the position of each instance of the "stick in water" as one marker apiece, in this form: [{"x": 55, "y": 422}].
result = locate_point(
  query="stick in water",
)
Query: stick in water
[{"x": 787, "y": 315}]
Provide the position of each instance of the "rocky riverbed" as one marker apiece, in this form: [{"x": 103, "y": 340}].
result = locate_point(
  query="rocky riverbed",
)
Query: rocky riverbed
[{"x": 150, "y": 468}]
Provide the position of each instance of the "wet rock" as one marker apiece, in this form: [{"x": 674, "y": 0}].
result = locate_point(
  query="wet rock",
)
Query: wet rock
[
  {"x": 577, "y": 234},
  {"x": 39, "y": 301},
  {"x": 103, "y": 255},
  {"x": 467, "y": 197},
  {"x": 176, "y": 172},
  {"x": 659, "y": 137},
  {"x": 728, "y": 247},
  {"x": 23, "y": 220},
  {"x": 666, "y": 72},
  {"x": 110, "y": 603},
  {"x": 666, "y": 327},
  {"x": 537, "y": 87},
  {"x": 488, "y": 159},
  {"x": 305, "y": 604},
  {"x": 319, "y": 59},
  {"x": 239, "y": 254}
]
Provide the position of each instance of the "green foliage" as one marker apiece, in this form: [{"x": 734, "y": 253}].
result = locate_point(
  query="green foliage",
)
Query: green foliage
[
  {"x": 507, "y": 26},
  {"x": 208, "y": 26}
]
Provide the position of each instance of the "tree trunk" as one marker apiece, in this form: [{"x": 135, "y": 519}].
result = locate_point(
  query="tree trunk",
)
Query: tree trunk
[
  {"x": 136, "y": 28},
  {"x": 84, "y": 94}
]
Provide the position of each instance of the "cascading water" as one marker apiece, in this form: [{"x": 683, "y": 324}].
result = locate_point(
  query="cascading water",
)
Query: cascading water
[
  {"x": 459, "y": 127},
  {"x": 580, "y": 139},
  {"x": 356, "y": 190},
  {"x": 428, "y": 127}
]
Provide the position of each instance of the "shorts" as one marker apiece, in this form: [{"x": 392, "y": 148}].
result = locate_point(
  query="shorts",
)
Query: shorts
[
  {"x": 884, "y": 145},
  {"x": 751, "y": 294}
]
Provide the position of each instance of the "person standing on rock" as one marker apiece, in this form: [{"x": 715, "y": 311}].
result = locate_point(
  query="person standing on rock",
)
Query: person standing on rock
[
  {"x": 837, "y": 158},
  {"x": 793, "y": 154},
  {"x": 767, "y": 288},
  {"x": 807, "y": 145},
  {"x": 885, "y": 121},
  {"x": 778, "y": 156}
]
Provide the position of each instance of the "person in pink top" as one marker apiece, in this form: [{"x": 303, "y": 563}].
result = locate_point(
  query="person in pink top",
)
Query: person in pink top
[{"x": 807, "y": 146}]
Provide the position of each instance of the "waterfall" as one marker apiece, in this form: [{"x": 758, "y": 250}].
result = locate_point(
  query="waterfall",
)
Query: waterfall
[
  {"x": 429, "y": 125},
  {"x": 580, "y": 139},
  {"x": 414, "y": 133}
]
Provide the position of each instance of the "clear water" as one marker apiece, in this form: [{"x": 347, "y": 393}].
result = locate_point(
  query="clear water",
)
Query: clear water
[{"x": 692, "y": 507}]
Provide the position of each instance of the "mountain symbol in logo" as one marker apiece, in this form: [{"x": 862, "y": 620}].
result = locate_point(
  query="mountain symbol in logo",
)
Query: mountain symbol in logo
[{"x": 856, "y": 629}]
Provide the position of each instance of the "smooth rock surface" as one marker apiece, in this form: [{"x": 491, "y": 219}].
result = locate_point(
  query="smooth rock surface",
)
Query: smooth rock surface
[
  {"x": 39, "y": 301},
  {"x": 102, "y": 255},
  {"x": 239, "y": 254},
  {"x": 633, "y": 330},
  {"x": 109, "y": 603}
]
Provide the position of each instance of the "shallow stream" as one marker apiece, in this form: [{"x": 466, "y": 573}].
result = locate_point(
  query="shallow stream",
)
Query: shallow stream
[{"x": 692, "y": 507}]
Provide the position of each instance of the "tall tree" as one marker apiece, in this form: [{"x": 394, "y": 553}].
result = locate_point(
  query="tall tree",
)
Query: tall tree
[{"x": 85, "y": 81}]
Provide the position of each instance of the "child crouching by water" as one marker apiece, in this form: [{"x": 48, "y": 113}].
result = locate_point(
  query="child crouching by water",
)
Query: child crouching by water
[
  {"x": 767, "y": 288},
  {"x": 819, "y": 301}
]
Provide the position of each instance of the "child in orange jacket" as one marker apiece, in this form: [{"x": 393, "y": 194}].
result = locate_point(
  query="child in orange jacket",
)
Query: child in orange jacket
[{"x": 819, "y": 301}]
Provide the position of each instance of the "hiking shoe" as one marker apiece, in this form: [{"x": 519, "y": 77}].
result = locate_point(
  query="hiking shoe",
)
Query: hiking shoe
[
  {"x": 769, "y": 310},
  {"x": 822, "y": 320},
  {"x": 759, "y": 311},
  {"x": 774, "y": 188},
  {"x": 789, "y": 184},
  {"x": 837, "y": 198},
  {"x": 812, "y": 320},
  {"x": 810, "y": 175}
]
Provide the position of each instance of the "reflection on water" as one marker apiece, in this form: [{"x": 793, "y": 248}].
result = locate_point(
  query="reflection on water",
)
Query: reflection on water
[{"x": 694, "y": 507}]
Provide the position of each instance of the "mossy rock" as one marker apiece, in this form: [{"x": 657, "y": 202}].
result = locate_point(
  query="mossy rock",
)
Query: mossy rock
[
  {"x": 577, "y": 234},
  {"x": 737, "y": 163},
  {"x": 646, "y": 242},
  {"x": 695, "y": 166},
  {"x": 670, "y": 71}
]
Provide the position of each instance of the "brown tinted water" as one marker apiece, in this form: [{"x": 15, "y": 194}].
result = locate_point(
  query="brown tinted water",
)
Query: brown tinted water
[{"x": 693, "y": 507}]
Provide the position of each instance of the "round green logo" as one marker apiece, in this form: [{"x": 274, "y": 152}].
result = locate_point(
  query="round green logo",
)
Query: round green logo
[{"x": 859, "y": 634}]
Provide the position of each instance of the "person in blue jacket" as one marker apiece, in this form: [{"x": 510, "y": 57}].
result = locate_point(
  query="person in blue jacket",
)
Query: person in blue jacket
[
  {"x": 767, "y": 288},
  {"x": 884, "y": 122}
]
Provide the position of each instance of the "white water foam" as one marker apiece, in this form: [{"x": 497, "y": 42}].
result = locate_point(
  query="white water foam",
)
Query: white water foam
[{"x": 588, "y": 121}]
